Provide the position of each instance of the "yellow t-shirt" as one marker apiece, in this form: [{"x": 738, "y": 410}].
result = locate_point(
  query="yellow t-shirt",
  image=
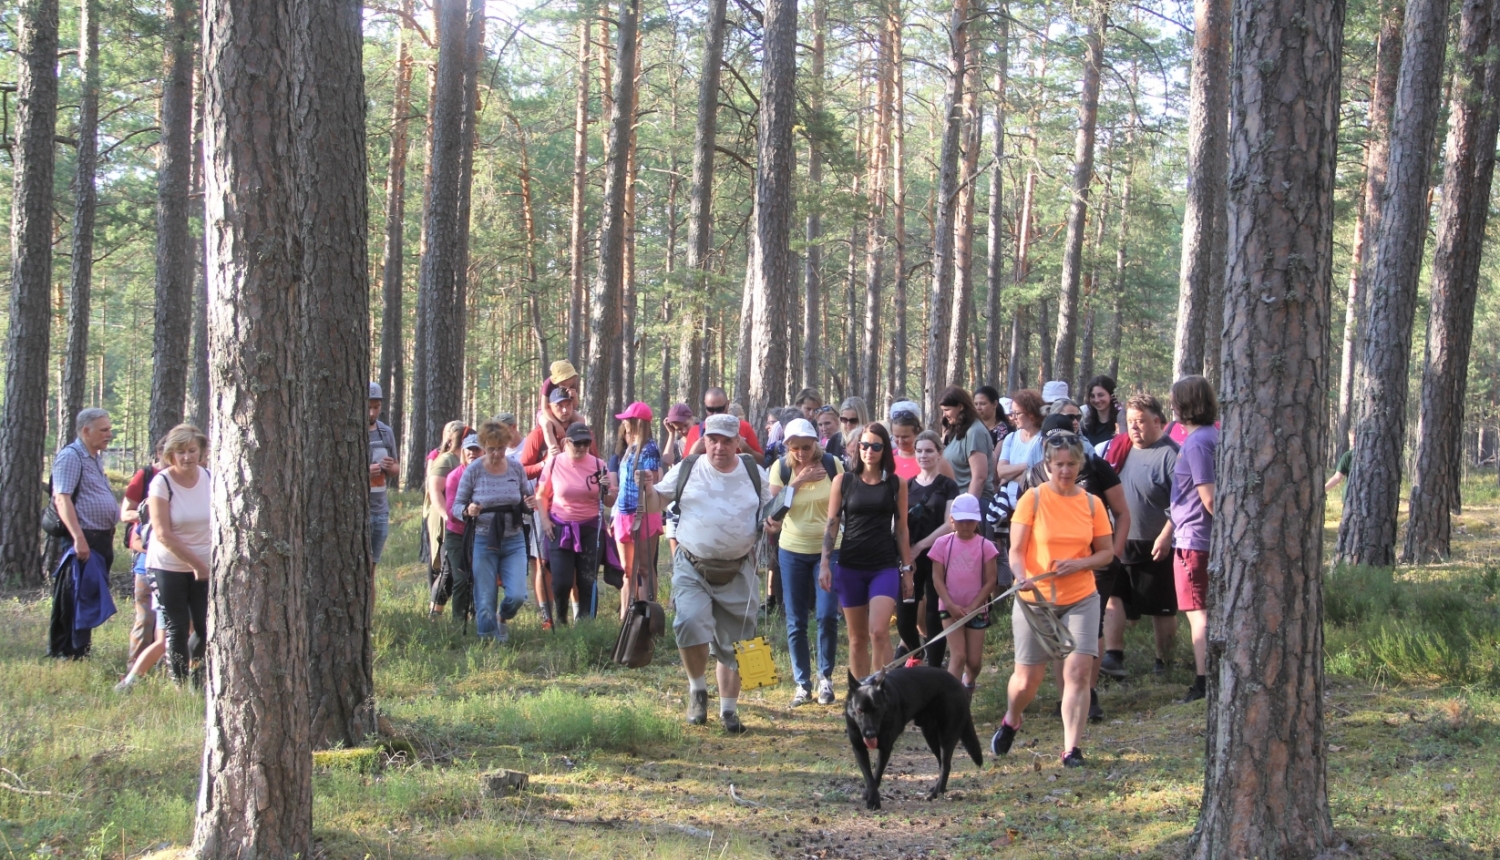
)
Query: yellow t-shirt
[
  {"x": 802, "y": 529},
  {"x": 1062, "y": 528}
]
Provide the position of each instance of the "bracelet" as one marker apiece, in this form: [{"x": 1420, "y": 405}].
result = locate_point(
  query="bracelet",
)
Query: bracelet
[{"x": 905, "y": 568}]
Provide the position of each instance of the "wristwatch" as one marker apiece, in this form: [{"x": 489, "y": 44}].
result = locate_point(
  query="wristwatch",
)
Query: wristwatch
[{"x": 905, "y": 568}]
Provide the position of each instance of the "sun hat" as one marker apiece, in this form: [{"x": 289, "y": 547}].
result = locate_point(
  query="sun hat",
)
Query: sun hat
[
  {"x": 800, "y": 428},
  {"x": 680, "y": 413},
  {"x": 722, "y": 425},
  {"x": 636, "y": 410},
  {"x": 966, "y": 507},
  {"x": 1054, "y": 390},
  {"x": 562, "y": 369}
]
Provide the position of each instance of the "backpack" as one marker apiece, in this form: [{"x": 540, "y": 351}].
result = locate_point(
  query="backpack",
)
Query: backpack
[
  {"x": 750, "y": 466},
  {"x": 143, "y": 508},
  {"x": 830, "y": 465}
]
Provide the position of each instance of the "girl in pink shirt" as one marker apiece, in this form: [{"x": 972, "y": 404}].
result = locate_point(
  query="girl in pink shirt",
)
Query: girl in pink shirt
[{"x": 964, "y": 575}]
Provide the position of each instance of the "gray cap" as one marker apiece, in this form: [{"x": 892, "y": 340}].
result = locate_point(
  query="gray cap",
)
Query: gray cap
[
  {"x": 472, "y": 441},
  {"x": 375, "y": 392},
  {"x": 722, "y": 425},
  {"x": 506, "y": 418}
]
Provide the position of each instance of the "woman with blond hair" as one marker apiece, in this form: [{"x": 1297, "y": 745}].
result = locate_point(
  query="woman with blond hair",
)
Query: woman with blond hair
[
  {"x": 635, "y": 451},
  {"x": 179, "y": 505},
  {"x": 435, "y": 513}
]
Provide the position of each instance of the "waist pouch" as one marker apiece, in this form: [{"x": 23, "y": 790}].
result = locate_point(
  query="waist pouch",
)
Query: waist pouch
[{"x": 714, "y": 570}]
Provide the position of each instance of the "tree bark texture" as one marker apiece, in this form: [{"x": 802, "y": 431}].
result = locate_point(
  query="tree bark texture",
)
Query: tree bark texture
[
  {"x": 812, "y": 258},
  {"x": 415, "y": 461},
  {"x": 24, "y": 429},
  {"x": 700, "y": 206},
  {"x": 1468, "y": 168},
  {"x": 604, "y": 306},
  {"x": 255, "y": 799},
  {"x": 941, "y": 293},
  {"x": 442, "y": 259},
  {"x": 1265, "y": 788},
  {"x": 1367, "y": 533},
  {"x": 577, "y": 285},
  {"x": 329, "y": 96},
  {"x": 85, "y": 189},
  {"x": 174, "y": 245},
  {"x": 1202, "y": 268},
  {"x": 963, "y": 226},
  {"x": 393, "y": 287},
  {"x": 879, "y": 160},
  {"x": 1066, "y": 345},
  {"x": 995, "y": 252},
  {"x": 771, "y": 271},
  {"x": 1367, "y": 223},
  {"x": 899, "y": 372},
  {"x": 1122, "y": 262}
]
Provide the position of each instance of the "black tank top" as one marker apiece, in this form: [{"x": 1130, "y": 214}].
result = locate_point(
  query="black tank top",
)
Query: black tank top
[{"x": 869, "y": 524}]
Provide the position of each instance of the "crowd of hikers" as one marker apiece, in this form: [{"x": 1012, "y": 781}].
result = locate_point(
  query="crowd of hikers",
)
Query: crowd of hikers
[{"x": 1093, "y": 512}]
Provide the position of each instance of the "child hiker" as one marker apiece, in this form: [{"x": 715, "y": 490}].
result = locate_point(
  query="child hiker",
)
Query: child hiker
[{"x": 964, "y": 575}]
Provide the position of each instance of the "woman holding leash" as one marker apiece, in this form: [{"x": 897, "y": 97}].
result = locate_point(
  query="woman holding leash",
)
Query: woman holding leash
[
  {"x": 875, "y": 560},
  {"x": 1060, "y": 534}
]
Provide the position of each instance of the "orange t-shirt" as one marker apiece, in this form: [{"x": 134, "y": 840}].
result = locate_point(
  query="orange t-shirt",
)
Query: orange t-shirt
[{"x": 1062, "y": 528}]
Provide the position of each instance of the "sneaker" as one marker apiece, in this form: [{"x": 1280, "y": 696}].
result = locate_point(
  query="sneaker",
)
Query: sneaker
[
  {"x": 825, "y": 692},
  {"x": 1004, "y": 737},
  {"x": 913, "y": 661},
  {"x": 546, "y": 623},
  {"x": 502, "y": 632},
  {"x": 1113, "y": 666},
  {"x": 126, "y": 683},
  {"x": 1096, "y": 713},
  {"x": 1194, "y": 693},
  {"x": 804, "y": 695},
  {"x": 697, "y": 710},
  {"x": 1159, "y": 668},
  {"x": 1074, "y": 758},
  {"x": 731, "y": 721}
]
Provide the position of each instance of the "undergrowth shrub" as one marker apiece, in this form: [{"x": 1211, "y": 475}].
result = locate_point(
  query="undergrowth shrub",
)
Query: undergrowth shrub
[{"x": 555, "y": 719}]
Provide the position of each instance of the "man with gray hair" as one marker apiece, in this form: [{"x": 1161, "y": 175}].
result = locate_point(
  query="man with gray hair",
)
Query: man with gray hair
[
  {"x": 384, "y": 469},
  {"x": 714, "y": 587},
  {"x": 88, "y": 508}
]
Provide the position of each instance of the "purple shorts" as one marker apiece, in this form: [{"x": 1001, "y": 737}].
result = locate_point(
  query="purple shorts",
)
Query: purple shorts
[{"x": 856, "y": 587}]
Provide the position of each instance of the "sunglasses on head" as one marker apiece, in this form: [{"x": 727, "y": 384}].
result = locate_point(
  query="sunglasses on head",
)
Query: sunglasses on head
[
  {"x": 1061, "y": 439},
  {"x": 716, "y": 410},
  {"x": 872, "y": 446},
  {"x": 824, "y": 410}
]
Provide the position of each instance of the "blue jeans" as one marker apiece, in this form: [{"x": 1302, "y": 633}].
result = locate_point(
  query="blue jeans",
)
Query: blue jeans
[
  {"x": 799, "y": 591},
  {"x": 508, "y": 564},
  {"x": 380, "y": 529}
]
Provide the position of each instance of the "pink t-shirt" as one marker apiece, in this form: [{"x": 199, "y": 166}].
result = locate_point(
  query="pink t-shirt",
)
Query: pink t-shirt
[
  {"x": 450, "y": 489},
  {"x": 963, "y": 564},
  {"x": 575, "y": 493},
  {"x": 906, "y": 467}
]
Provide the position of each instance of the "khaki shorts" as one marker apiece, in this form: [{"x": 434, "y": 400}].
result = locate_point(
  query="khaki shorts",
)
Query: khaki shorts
[
  {"x": 1081, "y": 620},
  {"x": 717, "y": 615}
]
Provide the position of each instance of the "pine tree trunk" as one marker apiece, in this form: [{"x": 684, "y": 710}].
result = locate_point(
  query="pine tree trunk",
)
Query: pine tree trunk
[
  {"x": 1468, "y": 168},
  {"x": 1083, "y": 176},
  {"x": 174, "y": 247},
  {"x": 995, "y": 259},
  {"x": 75, "y": 367},
  {"x": 393, "y": 288},
  {"x": 1367, "y": 224},
  {"x": 963, "y": 238},
  {"x": 1122, "y": 261},
  {"x": 1367, "y": 534},
  {"x": 1020, "y": 339},
  {"x": 1017, "y": 375},
  {"x": 458, "y": 310},
  {"x": 329, "y": 93},
  {"x": 604, "y": 307},
  {"x": 255, "y": 799},
  {"x": 812, "y": 259},
  {"x": 775, "y": 165},
  {"x": 742, "y": 347},
  {"x": 1265, "y": 790},
  {"x": 199, "y": 409},
  {"x": 630, "y": 338},
  {"x": 1044, "y": 342},
  {"x": 577, "y": 285},
  {"x": 945, "y": 211},
  {"x": 415, "y": 461},
  {"x": 442, "y": 260},
  {"x": 852, "y": 327},
  {"x": 899, "y": 370},
  {"x": 24, "y": 430},
  {"x": 879, "y": 160},
  {"x": 691, "y": 357},
  {"x": 1202, "y": 272}
]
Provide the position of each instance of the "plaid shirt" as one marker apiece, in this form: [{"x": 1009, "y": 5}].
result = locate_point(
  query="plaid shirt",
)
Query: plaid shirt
[{"x": 74, "y": 467}]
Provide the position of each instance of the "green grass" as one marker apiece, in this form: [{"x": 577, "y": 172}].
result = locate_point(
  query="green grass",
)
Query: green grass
[{"x": 1413, "y": 728}]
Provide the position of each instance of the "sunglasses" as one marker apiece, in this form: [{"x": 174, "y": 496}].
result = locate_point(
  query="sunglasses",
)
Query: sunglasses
[
  {"x": 877, "y": 447},
  {"x": 843, "y": 420},
  {"x": 580, "y": 443},
  {"x": 716, "y": 410},
  {"x": 1061, "y": 439},
  {"x": 824, "y": 410}
]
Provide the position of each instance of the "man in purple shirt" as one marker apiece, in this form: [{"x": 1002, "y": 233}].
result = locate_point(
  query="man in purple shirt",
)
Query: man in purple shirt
[{"x": 1192, "y": 511}]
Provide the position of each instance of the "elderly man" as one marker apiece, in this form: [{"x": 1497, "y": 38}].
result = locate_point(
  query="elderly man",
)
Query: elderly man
[
  {"x": 714, "y": 586},
  {"x": 86, "y": 505}
]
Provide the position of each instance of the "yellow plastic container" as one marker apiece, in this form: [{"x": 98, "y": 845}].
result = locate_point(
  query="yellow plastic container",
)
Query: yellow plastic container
[{"x": 757, "y": 669}]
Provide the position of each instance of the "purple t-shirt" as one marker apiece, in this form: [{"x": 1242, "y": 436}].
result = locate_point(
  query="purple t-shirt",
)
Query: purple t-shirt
[{"x": 1191, "y": 522}]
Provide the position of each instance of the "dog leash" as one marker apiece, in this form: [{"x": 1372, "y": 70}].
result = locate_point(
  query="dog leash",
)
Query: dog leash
[{"x": 958, "y": 625}]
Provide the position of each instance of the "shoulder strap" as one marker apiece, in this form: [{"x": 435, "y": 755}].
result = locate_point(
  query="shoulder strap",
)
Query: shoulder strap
[
  {"x": 784, "y": 469},
  {"x": 754, "y": 469},
  {"x": 683, "y": 473},
  {"x": 830, "y": 465}
]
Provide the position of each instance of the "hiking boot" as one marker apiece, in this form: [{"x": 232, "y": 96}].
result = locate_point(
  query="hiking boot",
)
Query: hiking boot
[
  {"x": 1159, "y": 668},
  {"x": 1096, "y": 713},
  {"x": 502, "y": 632},
  {"x": 1113, "y": 666},
  {"x": 825, "y": 692},
  {"x": 1004, "y": 737},
  {"x": 1074, "y": 758},
  {"x": 1194, "y": 693},
  {"x": 731, "y": 721},
  {"x": 697, "y": 709},
  {"x": 804, "y": 696}
]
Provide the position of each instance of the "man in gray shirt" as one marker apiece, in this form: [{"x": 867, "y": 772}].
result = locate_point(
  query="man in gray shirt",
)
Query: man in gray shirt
[
  {"x": 384, "y": 467},
  {"x": 87, "y": 506},
  {"x": 1148, "y": 588}
]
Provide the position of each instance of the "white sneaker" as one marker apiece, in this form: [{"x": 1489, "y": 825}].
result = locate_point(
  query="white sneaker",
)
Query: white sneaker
[
  {"x": 803, "y": 696},
  {"x": 126, "y": 683},
  {"x": 502, "y": 632},
  {"x": 825, "y": 692}
]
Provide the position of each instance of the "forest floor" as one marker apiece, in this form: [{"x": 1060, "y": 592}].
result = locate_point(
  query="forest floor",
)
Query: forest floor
[{"x": 1413, "y": 733}]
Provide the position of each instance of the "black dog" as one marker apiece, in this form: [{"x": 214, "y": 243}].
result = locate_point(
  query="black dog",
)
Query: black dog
[{"x": 877, "y": 713}]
